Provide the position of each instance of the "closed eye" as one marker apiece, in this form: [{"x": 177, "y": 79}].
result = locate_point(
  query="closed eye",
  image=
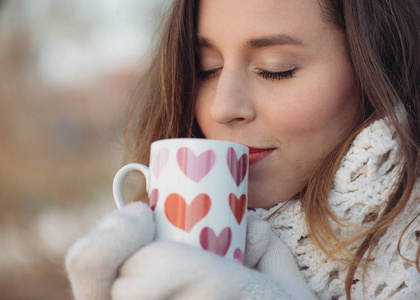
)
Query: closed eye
[
  {"x": 207, "y": 74},
  {"x": 277, "y": 75}
]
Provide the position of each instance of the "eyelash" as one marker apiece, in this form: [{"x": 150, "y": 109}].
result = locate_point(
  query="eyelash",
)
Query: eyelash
[
  {"x": 277, "y": 75},
  {"x": 204, "y": 75}
]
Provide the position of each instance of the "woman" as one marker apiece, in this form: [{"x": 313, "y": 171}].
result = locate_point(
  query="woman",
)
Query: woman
[{"x": 326, "y": 94}]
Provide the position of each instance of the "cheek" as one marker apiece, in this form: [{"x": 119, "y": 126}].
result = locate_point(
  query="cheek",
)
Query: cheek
[
  {"x": 202, "y": 113},
  {"x": 320, "y": 107},
  {"x": 312, "y": 116}
]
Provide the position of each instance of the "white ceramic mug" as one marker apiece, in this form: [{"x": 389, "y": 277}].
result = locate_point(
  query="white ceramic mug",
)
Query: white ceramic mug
[{"x": 198, "y": 189}]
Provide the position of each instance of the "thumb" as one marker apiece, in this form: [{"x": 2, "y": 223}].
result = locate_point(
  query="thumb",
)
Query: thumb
[
  {"x": 257, "y": 240},
  {"x": 277, "y": 258}
]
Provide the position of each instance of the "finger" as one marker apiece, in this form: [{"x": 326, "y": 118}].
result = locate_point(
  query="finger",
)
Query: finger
[{"x": 92, "y": 262}]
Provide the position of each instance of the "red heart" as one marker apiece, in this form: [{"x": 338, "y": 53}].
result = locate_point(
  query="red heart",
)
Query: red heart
[
  {"x": 237, "y": 206},
  {"x": 186, "y": 216},
  {"x": 216, "y": 244},
  {"x": 237, "y": 167},
  {"x": 153, "y": 199}
]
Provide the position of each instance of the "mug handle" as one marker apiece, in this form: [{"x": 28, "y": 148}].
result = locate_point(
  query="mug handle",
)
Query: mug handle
[{"x": 118, "y": 184}]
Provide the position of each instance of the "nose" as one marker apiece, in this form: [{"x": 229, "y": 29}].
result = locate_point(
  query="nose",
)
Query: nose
[{"x": 232, "y": 102}]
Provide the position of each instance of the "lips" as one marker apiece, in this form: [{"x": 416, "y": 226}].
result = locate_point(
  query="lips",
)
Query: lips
[{"x": 258, "y": 154}]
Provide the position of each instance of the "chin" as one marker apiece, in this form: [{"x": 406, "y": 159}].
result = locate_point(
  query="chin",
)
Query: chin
[{"x": 260, "y": 204}]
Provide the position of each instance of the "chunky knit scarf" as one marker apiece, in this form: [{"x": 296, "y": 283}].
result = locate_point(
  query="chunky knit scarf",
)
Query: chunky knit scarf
[{"x": 361, "y": 186}]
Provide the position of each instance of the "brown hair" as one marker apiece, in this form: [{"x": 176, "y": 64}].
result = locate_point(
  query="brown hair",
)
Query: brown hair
[
  {"x": 164, "y": 103},
  {"x": 382, "y": 40}
]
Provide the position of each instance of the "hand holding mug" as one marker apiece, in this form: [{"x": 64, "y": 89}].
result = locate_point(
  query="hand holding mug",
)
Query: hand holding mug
[{"x": 197, "y": 196}]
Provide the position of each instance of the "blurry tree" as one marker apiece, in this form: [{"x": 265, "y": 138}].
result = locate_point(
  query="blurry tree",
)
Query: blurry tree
[{"x": 66, "y": 72}]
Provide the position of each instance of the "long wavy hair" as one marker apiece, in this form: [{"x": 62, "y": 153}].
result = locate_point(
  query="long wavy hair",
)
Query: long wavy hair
[{"x": 383, "y": 42}]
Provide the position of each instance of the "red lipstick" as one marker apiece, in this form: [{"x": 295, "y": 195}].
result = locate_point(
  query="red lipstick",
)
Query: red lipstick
[{"x": 258, "y": 154}]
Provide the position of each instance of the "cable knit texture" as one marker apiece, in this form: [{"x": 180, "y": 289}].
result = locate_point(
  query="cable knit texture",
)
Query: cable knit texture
[{"x": 361, "y": 186}]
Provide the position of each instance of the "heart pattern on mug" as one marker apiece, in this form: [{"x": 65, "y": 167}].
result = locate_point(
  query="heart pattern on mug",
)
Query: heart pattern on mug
[
  {"x": 237, "y": 206},
  {"x": 217, "y": 244},
  {"x": 159, "y": 161},
  {"x": 237, "y": 167},
  {"x": 186, "y": 216},
  {"x": 153, "y": 198},
  {"x": 195, "y": 167},
  {"x": 239, "y": 256}
]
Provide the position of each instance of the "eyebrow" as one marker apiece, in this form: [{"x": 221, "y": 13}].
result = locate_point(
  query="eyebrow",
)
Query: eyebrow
[{"x": 272, "y": 40}]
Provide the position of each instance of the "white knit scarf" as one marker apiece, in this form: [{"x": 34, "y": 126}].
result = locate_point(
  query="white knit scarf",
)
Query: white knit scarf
[{"x": 361, "y": 186}]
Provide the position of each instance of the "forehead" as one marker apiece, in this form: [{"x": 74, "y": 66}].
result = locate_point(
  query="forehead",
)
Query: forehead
[
  {"x": 231, "y": 24},
  {"x": 259, "y": 16}
]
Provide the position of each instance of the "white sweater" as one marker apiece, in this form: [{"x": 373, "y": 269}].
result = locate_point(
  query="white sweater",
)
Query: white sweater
[{"x": 361, "y": 186}]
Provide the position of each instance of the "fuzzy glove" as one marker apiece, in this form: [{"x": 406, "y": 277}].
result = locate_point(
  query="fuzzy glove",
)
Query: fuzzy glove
[
  {"x": 108, "y": 261},
  {"x": 168, "y": 270},
  {"x": 94, "y": 260},
  {"x": 268, "y": 254}
]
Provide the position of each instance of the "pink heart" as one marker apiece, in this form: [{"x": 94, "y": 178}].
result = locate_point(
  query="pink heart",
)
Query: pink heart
[
  {"x": 216, "y": 244},
  {"x": 159, "y": 161},
  {"x": 153, "y": 198},
  {"x": 237, "y": 167},
  {"x": 195, "y": 167},
  {"x": 239, "y": 256}
]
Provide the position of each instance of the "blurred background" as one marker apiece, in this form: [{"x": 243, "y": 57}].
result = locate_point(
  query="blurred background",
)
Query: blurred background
[{"x": 67, "y": 69}]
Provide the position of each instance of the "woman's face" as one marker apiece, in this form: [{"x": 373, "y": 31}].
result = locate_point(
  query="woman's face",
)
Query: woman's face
[{"x": 275, "y": 77}]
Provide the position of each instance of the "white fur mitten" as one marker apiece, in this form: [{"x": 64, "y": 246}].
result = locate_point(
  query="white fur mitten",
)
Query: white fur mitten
[
  {"x": 168, "y": 270},
  {"x": 93, "y": 260},
  {"x": 266, "y": 253}
]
